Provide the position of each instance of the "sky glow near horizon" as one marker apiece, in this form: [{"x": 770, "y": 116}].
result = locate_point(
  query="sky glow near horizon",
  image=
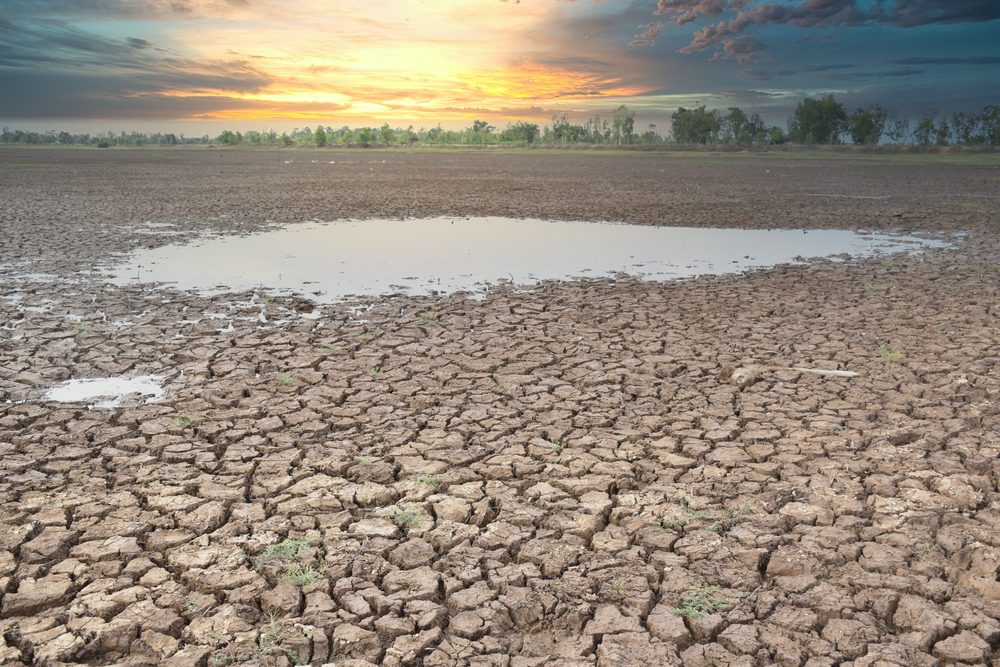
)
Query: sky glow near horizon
[{"x": 167, "y": 64}]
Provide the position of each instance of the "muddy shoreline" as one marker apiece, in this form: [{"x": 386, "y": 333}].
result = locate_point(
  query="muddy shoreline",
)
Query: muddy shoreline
[{"x": 564, "y": 475}]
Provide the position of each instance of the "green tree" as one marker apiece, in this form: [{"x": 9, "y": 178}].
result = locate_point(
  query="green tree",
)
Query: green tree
[
  {"x": 867, "y": 125},
  {"x": 65, "y": 138},
  {"x": 695, "y": 126},
  {"x": 962, "y": 124},
  {"x": 227, "y": 138},
  {"x": 742, "y": 128},
  {"x": 941, "y": 133},
  {"x": 519, "y": 132},
  {"x": 482, "y": 126},
  {"x": 366, "y": 136},
  {"x": 925, "y": 128},
  {"x": 285, "y": 139},
  {"x": 624, "y": 121},
  {"x": 897, "y": 127},
  {"x": 817, "y": 121},
  {"x": 386, "y": 135},
  {"x": 319, "y": 136},
  {"x": 989, "y": 125}
]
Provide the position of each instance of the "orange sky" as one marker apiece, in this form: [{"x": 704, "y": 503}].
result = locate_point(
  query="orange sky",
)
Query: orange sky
[{"x": 396, "y": 61}]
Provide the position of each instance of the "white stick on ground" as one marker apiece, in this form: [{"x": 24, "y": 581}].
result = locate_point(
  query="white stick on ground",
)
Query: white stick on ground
[{"x": 839, "y": 374}]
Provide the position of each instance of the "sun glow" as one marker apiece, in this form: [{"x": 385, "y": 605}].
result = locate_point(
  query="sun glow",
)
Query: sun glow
[{"x": 437, "y": 59}]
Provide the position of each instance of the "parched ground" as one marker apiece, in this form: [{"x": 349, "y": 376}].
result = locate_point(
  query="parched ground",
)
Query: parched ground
[{"x": 605, "y": 473}]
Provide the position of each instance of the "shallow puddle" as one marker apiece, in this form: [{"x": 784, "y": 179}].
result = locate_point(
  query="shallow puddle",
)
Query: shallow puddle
[
  {"x": 443, "y": 255},
  {"x": 113, "y": 390}
]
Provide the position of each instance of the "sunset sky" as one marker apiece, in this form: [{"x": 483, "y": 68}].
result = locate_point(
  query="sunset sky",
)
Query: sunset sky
[{"x": 198, "y": 66}]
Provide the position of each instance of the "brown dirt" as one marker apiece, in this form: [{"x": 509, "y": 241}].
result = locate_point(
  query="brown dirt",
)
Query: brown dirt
[{"x": 541, "y": 478}]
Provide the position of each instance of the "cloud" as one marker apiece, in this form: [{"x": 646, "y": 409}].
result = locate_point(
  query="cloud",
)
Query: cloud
[
  {"x": 861, "y": 76},
  {"x": 653, "y": 30},
  {"x": 686, "y": 11},
  {"x": 749, "y": 96},
  {"x": 647, "y": 38},
  {"x": 123, "y": 10},
  {"x": 826, "y": 68},
  {"x": 753, "y": 15},
  {"x": 140, "y": 65},
  {"x": 764, "y": 75},
  {"x": 817, "y": 72},
  {"x": 46, "y": 95},
  {"x": 743, "y": 49},
  {"x": 972, "y": 60}
]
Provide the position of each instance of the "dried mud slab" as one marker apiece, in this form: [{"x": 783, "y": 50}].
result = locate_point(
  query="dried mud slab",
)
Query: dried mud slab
[{"x": 567, "y": 476}]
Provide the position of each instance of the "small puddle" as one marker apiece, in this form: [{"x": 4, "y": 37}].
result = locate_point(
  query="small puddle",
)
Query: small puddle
[
  {"x": 113, "y": 390},
  {"x": 334, "y": 260}
]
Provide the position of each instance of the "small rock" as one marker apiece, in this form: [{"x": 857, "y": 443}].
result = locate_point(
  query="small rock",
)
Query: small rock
[
  {"x": 411, "y": 554},
  {"x": 965, "y": 647},
  {"x": 284, "y": 599},
  {"x": 608, "y": 620}
]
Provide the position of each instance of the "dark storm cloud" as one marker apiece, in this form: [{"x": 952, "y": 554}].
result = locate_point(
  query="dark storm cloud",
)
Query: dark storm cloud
[{"x": 752, "y": 16}]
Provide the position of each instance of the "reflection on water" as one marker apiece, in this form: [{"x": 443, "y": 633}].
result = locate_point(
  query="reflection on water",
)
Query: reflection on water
[
  {"x": 371, "y": 257},
  {"x": 111, "y": 389}
]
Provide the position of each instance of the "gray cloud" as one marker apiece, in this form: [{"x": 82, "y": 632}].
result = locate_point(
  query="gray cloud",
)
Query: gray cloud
[
  {"x": 138, "y": 43},
  {"x": 743, "y": 49},
  {"x": 972, "y": 60},
  {"x": 647, "y": 38},
  {"x": 818, "y": 72},
  {"x": 138, "y": 64},
  {"x": 826, "y": 68},
  {"x": 746, "y": 96},
  {"x": 64, "y": 96},
  {"x": 119, "y": 10},
  {"x": 861, "y": 76},
  {"x": 764, "y": 75}
]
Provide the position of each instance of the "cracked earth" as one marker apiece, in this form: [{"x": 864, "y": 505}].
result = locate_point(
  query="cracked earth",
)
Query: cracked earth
[{"x": 594, "y": 473}]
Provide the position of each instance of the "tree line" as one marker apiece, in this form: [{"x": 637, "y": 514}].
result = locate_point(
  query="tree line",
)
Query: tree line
[
  {"x": 618, "y": 130},
  {"x": 826, "y": 121},
  {"x": 815, "y": 121}
]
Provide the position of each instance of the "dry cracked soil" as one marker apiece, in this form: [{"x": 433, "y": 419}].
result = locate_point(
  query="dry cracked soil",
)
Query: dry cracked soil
[{"x": 594, "y": 473}]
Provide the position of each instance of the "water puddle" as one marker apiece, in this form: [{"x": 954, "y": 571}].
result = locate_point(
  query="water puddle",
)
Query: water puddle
[
  {"x": 113, "y": 390},
  {"x": 334, "y": 260}
]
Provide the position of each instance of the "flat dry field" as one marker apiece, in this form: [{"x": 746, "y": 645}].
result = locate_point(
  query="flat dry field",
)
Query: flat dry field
[{"x": 564, "y": 476}]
